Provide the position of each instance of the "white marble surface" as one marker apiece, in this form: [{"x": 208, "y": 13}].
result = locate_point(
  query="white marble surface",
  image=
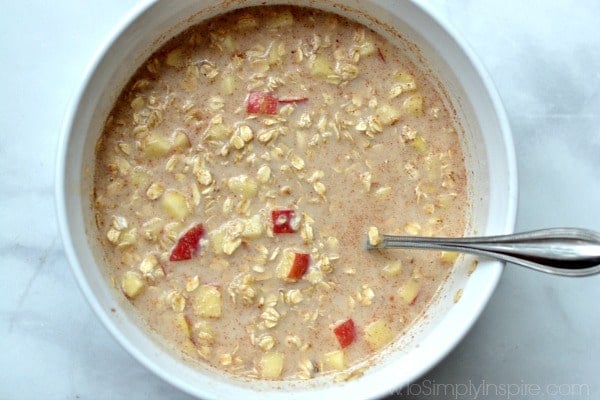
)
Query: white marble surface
[{"x": 537, "y": 330}]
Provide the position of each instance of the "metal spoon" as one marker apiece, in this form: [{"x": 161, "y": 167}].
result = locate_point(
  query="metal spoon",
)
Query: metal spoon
[{"x": 558, "y": 251}]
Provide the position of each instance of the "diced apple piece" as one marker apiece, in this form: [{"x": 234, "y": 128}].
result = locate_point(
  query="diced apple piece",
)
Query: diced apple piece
[
  {"x": 405, "y": 80},
  {"x": 188, "y": 244},
  {"x": 366, "y": 49},
  {"x": 122, "y": 165},
  {"x": 181, "y": 140},
  {"x": 419, "y": 144},
  {"x": 228, "y": 84},
  {"x": 132, "y": 284},
  {"x": 175, "y": 204},
  {"x": 229, "y": 44},
  {"x": 292, "y": 265},
  {"x": 175, "y": 58},
  {"x": 285, "y": 264},
  {"x": 345, "y": 333},
  {"x": 281, "y": 20},
  {"x": 377, "y": 334},
  {"x": 155, "y": 145},
  {"x": 433, "y": 168},
  {"x": 253, "y": 227},
  {"x": 243, "y": 186},
  {"x": 271, "y": 365},
  {"x": 299, "y": 266},
  {"x": 448, "y": 257},
  {"x": 283, "y": 221},
  {"x": 137, "y": 104},
  {"x": 148, "y": 264},
  {"x": 321, "y": 67},
  {"x": 207, "y": 302},
  {"x": 409, "y": 290},
  {"x": 413, "y": 105},
  {"x": 217, "y": 238},
  {"x": 182, "y": 323},
  {"x": 335, "y": 360},
  {"x": 387, "y": 114},
  {"x": 393, "y": 269},
  {"x": 261, "y": 103}
]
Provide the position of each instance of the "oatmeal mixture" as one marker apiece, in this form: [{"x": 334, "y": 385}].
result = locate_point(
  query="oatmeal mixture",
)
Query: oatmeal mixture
[{"x": 240, "y": 173}]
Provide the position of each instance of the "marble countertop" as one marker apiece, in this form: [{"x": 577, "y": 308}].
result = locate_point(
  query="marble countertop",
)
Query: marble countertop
[{"x": 544, "y": 57}]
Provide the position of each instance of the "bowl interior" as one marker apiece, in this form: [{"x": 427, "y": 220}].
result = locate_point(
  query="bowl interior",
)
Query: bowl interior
[{"x": 488, "y": 154}]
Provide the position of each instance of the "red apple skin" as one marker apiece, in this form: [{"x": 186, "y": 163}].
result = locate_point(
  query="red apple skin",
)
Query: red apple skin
[
  {"x": 300, "y": 266},
  {"x": 188, "y": 244},
  {"x": 345, "y": 333},
  {"x": 262, "y": 103},
  {"x": 285, "y": 226}
]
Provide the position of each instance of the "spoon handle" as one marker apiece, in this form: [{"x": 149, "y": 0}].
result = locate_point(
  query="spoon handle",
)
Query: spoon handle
[{"x": 559, "y": 251}]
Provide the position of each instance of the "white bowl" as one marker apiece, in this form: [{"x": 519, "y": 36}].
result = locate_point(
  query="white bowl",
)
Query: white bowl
[{"x": 489, "y": 156}]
